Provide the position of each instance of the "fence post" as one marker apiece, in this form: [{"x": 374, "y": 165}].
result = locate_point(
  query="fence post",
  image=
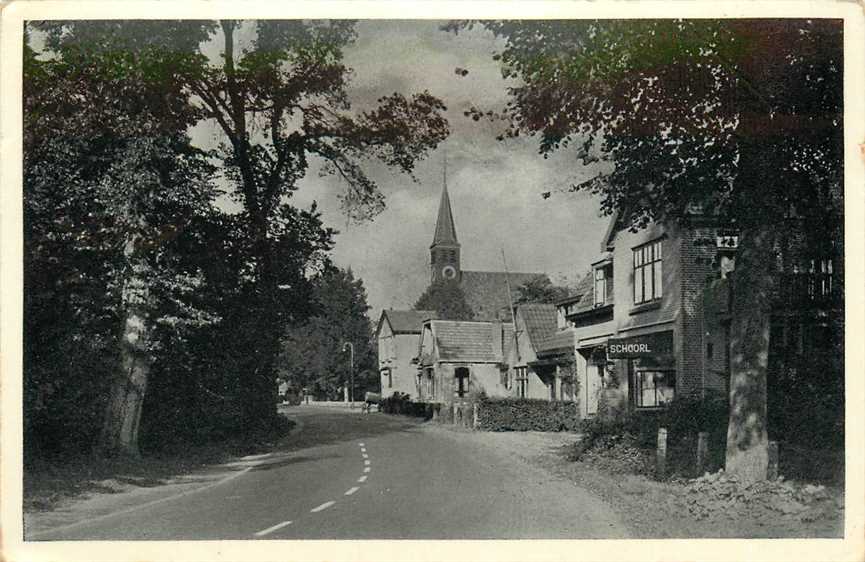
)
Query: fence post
[
  {"x": 661, "y": 455},
  {"x": 456, "y": 409},
  {"x": 772, "y": 469},
  {"x": 702, "y": 451},
  {"x": 475, "y": 415}
]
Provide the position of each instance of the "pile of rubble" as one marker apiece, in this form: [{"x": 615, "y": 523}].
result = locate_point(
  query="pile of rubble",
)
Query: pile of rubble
[{"x": 721, "y": 495}]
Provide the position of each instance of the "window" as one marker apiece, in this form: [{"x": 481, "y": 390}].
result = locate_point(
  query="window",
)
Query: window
[
  {"x": 522, "y": 381},
  {"x": 654, "y": 388},
  {"x": 604, "y": 285},
  {"x": 648, "y": 283},
  {"x": 462, "y": 375}
]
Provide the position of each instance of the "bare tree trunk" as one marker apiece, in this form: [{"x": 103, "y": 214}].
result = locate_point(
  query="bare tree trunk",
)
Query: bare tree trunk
[
  {"x": 123, "y": 413},
  {"x": 747, "y": 440}
]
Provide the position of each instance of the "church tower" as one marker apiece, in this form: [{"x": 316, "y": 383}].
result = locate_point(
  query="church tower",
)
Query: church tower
[{"x": 445, "y": 250}]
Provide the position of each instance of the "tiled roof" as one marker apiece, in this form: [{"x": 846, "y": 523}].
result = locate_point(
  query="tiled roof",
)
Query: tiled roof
[
  {"x": 487, "y": 291},
  {"x": 540, "y": 321},
  {"x": 587, "y": 289},
  {"x": 407, "y": 321},
  {"x": 472, "y": 342},
  {"x": 563, "y": 340}
]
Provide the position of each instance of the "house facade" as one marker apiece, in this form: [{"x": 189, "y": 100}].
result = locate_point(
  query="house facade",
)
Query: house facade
[
  {"x": 639, "y": 328},
  {"x": 530, "y": 375},
  {"x": 458, "y": 359},
  {"x": 397, "y": 334}
]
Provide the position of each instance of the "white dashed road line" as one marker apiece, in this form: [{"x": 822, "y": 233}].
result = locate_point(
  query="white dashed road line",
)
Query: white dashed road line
[
  {"x": 362, "y": 479},
  {"x": 366, "y": 469},
  {"x": 272, "y": 529},
  {"x": 365, "y": 456},
  {"x": 351, "y": 490},
  {"x": 361, "y": 444},
  {"x": 322, "y": 507},
  {"x": 367, "y": 462}
]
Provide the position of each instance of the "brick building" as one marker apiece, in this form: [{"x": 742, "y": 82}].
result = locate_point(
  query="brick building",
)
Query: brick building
[{"x": 637, "y": 320}]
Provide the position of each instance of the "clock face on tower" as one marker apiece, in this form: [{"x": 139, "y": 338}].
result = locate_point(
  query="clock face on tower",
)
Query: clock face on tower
[{"x": 449, "y": 272}]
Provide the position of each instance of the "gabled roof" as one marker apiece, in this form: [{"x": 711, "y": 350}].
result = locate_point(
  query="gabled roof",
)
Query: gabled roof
[
  {"x": 471, "y": 342},
  {"x": 557, "y": 343},
  {"x": 446, "y": 231},
  {"x": 405, "y": 321},
  {"x": 540, "y": 321},
  {"x": 487, "y": 291}
]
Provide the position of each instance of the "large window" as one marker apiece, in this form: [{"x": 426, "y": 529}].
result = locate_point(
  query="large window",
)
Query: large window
[
  {"x": 654, "y": 388},
  {"x": 648, "y": 281},
  {"x": 604, "y": 285},
  {"x": 522, "y": 381}
]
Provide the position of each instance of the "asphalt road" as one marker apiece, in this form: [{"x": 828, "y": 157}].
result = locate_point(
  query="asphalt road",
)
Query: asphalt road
[{"x": 346, "y": 475}]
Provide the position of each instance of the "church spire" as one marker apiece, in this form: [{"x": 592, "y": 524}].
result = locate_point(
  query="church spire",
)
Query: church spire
[
  {"x": 446, "y": 232},
  {"x": 445, "y": 250}
]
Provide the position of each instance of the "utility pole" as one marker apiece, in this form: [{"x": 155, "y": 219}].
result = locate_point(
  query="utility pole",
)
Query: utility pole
[{"x": 350, "y": 347}]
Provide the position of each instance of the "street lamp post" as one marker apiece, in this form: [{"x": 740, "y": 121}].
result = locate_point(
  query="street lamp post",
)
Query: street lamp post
[{"x": 350, "y": 347}]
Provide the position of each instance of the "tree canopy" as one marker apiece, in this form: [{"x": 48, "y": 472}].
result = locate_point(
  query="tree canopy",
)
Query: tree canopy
[
  {"x": 314, "y": 353},
  {"x": 199, "y": 297},
  {"x": 447, "y": 299},
  {"x": 541, "y": 290},
  {"x": 740, "y": 120}
]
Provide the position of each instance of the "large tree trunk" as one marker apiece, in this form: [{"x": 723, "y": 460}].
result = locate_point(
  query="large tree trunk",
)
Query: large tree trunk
[
  {"x": 123, "y": 413},
  {"x": 754, "y": 284}
]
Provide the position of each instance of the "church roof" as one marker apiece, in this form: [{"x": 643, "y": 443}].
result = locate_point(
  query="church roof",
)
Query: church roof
[
  {"x": 471, "y": 342},
  {"x": 446, "y": 231},
  {"x": 406, "y": 321},
  {"x": 540, "y": 321},
  {"x": 487, "y": 292}
]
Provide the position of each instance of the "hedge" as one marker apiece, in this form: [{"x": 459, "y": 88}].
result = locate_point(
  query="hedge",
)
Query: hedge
[
  {"x": 527, "y": 414},
  {"x": 401, "y": 404}
]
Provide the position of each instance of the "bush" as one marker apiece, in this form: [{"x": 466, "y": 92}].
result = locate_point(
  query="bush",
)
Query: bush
[
  {"x": 683, "y": 418},
  {"x": 401, "y": 404},
  {"x": 523, "y": 414}
]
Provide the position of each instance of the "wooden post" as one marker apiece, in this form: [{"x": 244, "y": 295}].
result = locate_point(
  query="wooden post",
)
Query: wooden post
[
  {"x": 456, "y": 409},
  {"x": 661, "y": 455},
  {"x": 702, "y": 451},
  {"x": 475, "y": 415},
  {"x": 772, "y": 469}
]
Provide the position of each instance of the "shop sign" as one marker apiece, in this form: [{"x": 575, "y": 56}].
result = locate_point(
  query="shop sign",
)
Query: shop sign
[{"x": 645, "y": 346}]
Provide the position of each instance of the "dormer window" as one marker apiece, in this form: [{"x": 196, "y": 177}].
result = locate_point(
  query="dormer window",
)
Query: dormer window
[{"x": 603, "y": 284}]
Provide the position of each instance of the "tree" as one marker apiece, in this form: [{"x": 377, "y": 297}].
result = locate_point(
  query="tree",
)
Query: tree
[
  {"x": 314, "y": 352},
  {"x": 541, "y": 290},
  {"x": 447, "y": 299},
  {"x": 737, "y": 119},
  {"x": 278, "y": 96},
  {"x": 105, "y": 185}
]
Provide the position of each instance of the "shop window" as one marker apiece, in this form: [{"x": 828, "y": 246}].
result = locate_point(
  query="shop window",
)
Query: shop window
[
  {"x": 648, "y": 278},
  {"x": 522, "y": 379},
  {"x": 654, "y": 388}
]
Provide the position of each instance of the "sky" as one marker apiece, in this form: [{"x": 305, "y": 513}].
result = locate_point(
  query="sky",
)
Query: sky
[{"x": 495, "y": 187}]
